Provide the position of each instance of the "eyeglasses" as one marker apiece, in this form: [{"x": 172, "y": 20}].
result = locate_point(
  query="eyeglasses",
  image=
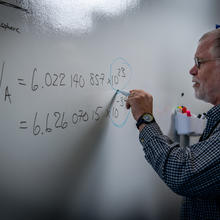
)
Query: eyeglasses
[{"x": 198, "y": 61}]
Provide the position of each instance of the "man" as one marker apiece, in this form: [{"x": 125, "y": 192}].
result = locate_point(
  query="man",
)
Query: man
[{"x": 194, "y": 171}]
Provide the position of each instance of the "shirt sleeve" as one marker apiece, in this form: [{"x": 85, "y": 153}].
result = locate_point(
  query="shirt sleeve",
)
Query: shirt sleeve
[{"x": 192, "y": 171}]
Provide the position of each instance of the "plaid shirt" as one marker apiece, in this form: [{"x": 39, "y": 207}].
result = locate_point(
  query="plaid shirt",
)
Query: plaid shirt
[{"x": 193, "y": 171}]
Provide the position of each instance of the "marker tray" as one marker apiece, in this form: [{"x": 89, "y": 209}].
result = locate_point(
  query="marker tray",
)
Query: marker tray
[{"x": 189, "y": 125}]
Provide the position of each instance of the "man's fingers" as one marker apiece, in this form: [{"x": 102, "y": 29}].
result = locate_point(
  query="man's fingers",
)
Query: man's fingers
[
  {"x": 132, "y": 93},
  {"x": 127, "y": 105}
]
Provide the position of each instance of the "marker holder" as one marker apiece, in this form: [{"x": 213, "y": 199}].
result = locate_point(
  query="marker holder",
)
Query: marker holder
[{"x": 189, "y": 125}]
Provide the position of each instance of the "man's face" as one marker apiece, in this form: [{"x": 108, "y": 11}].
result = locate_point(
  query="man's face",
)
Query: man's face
[{"x": 206, "y": 78}]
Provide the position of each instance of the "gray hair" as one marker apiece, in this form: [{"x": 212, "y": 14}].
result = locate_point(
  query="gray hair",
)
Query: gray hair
[{"x": 215, "y": 41}]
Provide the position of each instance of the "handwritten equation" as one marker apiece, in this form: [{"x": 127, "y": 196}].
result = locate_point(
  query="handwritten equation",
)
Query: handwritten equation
[
  {"x": 48, "y": 122},
  {"x": 75, "y": 80}
]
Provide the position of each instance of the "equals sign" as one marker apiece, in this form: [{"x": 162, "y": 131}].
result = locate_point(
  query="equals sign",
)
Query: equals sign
[
  {"x": 21, "y": 82},
  {"x": 23, "y": 125}
]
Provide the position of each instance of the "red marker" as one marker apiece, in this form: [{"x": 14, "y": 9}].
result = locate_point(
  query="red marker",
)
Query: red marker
[
  {"x": 184, "y": 109},
  {"x": 188, "y": 113}
]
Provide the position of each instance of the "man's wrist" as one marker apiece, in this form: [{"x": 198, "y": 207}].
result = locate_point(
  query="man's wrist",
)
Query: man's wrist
[
  {"x": 146, "y": 118},
  {"x": 141, "y": 127}
]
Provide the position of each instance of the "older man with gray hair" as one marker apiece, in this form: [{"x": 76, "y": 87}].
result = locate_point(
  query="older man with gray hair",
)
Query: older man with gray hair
[{"x": 193, "y": 173}]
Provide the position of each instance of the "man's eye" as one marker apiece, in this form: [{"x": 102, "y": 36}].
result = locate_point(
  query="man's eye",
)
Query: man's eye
[{"x": 199, "y": 62}]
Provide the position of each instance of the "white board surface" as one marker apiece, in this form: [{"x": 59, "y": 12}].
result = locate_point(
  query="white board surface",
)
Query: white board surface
[{"x": 67, "y": 140}]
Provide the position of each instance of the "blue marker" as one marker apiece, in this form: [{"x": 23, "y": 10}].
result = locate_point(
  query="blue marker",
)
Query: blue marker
[
  {"x": 217, "y": 26},
  {"x": 123, "y": 92}
]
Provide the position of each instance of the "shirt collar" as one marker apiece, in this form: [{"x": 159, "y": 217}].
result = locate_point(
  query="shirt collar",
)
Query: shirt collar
[{"x": 214, "y": 113}]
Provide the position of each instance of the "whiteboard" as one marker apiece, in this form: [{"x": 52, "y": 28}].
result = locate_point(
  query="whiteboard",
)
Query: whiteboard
[{"x": 68, "y": 143}]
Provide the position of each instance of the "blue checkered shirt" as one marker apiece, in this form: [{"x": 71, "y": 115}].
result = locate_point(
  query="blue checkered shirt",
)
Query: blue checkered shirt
[{"x": 192, "y": 171}]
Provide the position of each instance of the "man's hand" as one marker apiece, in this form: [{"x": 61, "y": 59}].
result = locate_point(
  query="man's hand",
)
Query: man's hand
[{"x": 140, "y": 102}]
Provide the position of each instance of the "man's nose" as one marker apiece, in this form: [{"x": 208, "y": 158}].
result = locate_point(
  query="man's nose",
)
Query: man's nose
[{"x": 194, "y": 70}]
